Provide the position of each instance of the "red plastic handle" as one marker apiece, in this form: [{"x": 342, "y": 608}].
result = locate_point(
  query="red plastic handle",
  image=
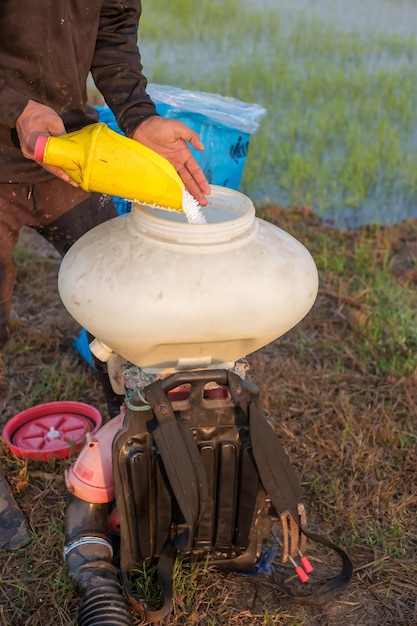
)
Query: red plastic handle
[
  {"x": 301, "y": 574},
  {"x": 40, "y": 148},
  {"x": 308, "y": 568}
]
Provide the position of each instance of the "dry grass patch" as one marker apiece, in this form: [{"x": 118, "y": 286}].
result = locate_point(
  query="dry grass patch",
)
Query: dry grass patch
[{"x": 347, "y": 421}]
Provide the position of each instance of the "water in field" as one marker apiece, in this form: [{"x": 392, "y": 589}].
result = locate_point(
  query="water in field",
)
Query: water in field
[
  {"x": 338, "y": 80},
  {"x": 386, "y": 17}
]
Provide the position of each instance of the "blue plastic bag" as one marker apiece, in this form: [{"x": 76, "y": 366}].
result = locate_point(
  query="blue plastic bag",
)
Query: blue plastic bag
[{"x": 223, "y": 124}]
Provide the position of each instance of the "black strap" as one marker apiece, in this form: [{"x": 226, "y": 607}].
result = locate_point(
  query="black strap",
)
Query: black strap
[
  {"x": 165, "y": 570},
  {"x": 283, "y": 487},
  {"x": 277, "y": 474},
  {"x": 186, "y": 475},
  {"x": 181, "y": 459}
]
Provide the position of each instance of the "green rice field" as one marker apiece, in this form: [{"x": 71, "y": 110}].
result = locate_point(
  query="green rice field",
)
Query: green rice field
[{"x": 338, "y": 82}]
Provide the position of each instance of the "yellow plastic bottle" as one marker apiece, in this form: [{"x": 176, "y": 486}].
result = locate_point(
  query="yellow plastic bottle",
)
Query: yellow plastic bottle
[{"x": 101, "y": 160}]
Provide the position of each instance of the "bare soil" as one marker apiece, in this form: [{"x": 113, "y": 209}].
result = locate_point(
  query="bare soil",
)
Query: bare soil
[{"x": 350, "y": 434}]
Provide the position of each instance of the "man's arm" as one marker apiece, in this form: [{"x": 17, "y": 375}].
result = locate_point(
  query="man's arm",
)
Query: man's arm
[
  {"x": 117, "y": 67},
  {"x": 117, "y": 71}
]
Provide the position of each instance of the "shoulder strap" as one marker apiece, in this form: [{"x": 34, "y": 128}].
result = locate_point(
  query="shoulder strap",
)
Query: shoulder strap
[
  {"x": 283, "y": 487},
  {"x": 181, "y": 459},
  {"x": 185, "y": 471},
  {"x": 277, "y": 474}
]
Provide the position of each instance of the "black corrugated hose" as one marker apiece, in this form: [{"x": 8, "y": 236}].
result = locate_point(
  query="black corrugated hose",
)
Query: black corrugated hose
[{"x": 89, "y": 559}]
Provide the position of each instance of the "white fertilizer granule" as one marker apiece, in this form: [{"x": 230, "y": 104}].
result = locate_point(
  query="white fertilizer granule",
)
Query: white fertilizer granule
[
  {"x": 192, "y": 209},
  {"x": 190, "y": 206}
]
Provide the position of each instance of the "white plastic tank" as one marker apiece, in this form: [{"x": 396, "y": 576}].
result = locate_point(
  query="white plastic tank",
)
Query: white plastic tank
[{"x": 165, "y": 293}]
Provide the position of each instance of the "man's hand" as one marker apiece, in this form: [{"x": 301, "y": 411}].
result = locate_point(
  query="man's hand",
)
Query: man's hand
[
  {"x": 38, "y": 119},
  {"x": 169, "y": 138}
]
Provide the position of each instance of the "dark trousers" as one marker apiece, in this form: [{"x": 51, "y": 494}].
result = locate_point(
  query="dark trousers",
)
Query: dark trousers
[{"x": 61, "y": 214}]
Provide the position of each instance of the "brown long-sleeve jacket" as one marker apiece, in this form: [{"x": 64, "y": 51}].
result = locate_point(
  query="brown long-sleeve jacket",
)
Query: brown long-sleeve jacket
[{"x": 47, "y": 49}]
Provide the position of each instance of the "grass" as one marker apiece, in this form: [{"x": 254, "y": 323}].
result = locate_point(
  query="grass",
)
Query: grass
[
  {"x": 340, "y": 130},
  {"x": 384, "y": 318},
  {"x": 344, "y": 406},
  {"x": 359, "y": 271}
]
